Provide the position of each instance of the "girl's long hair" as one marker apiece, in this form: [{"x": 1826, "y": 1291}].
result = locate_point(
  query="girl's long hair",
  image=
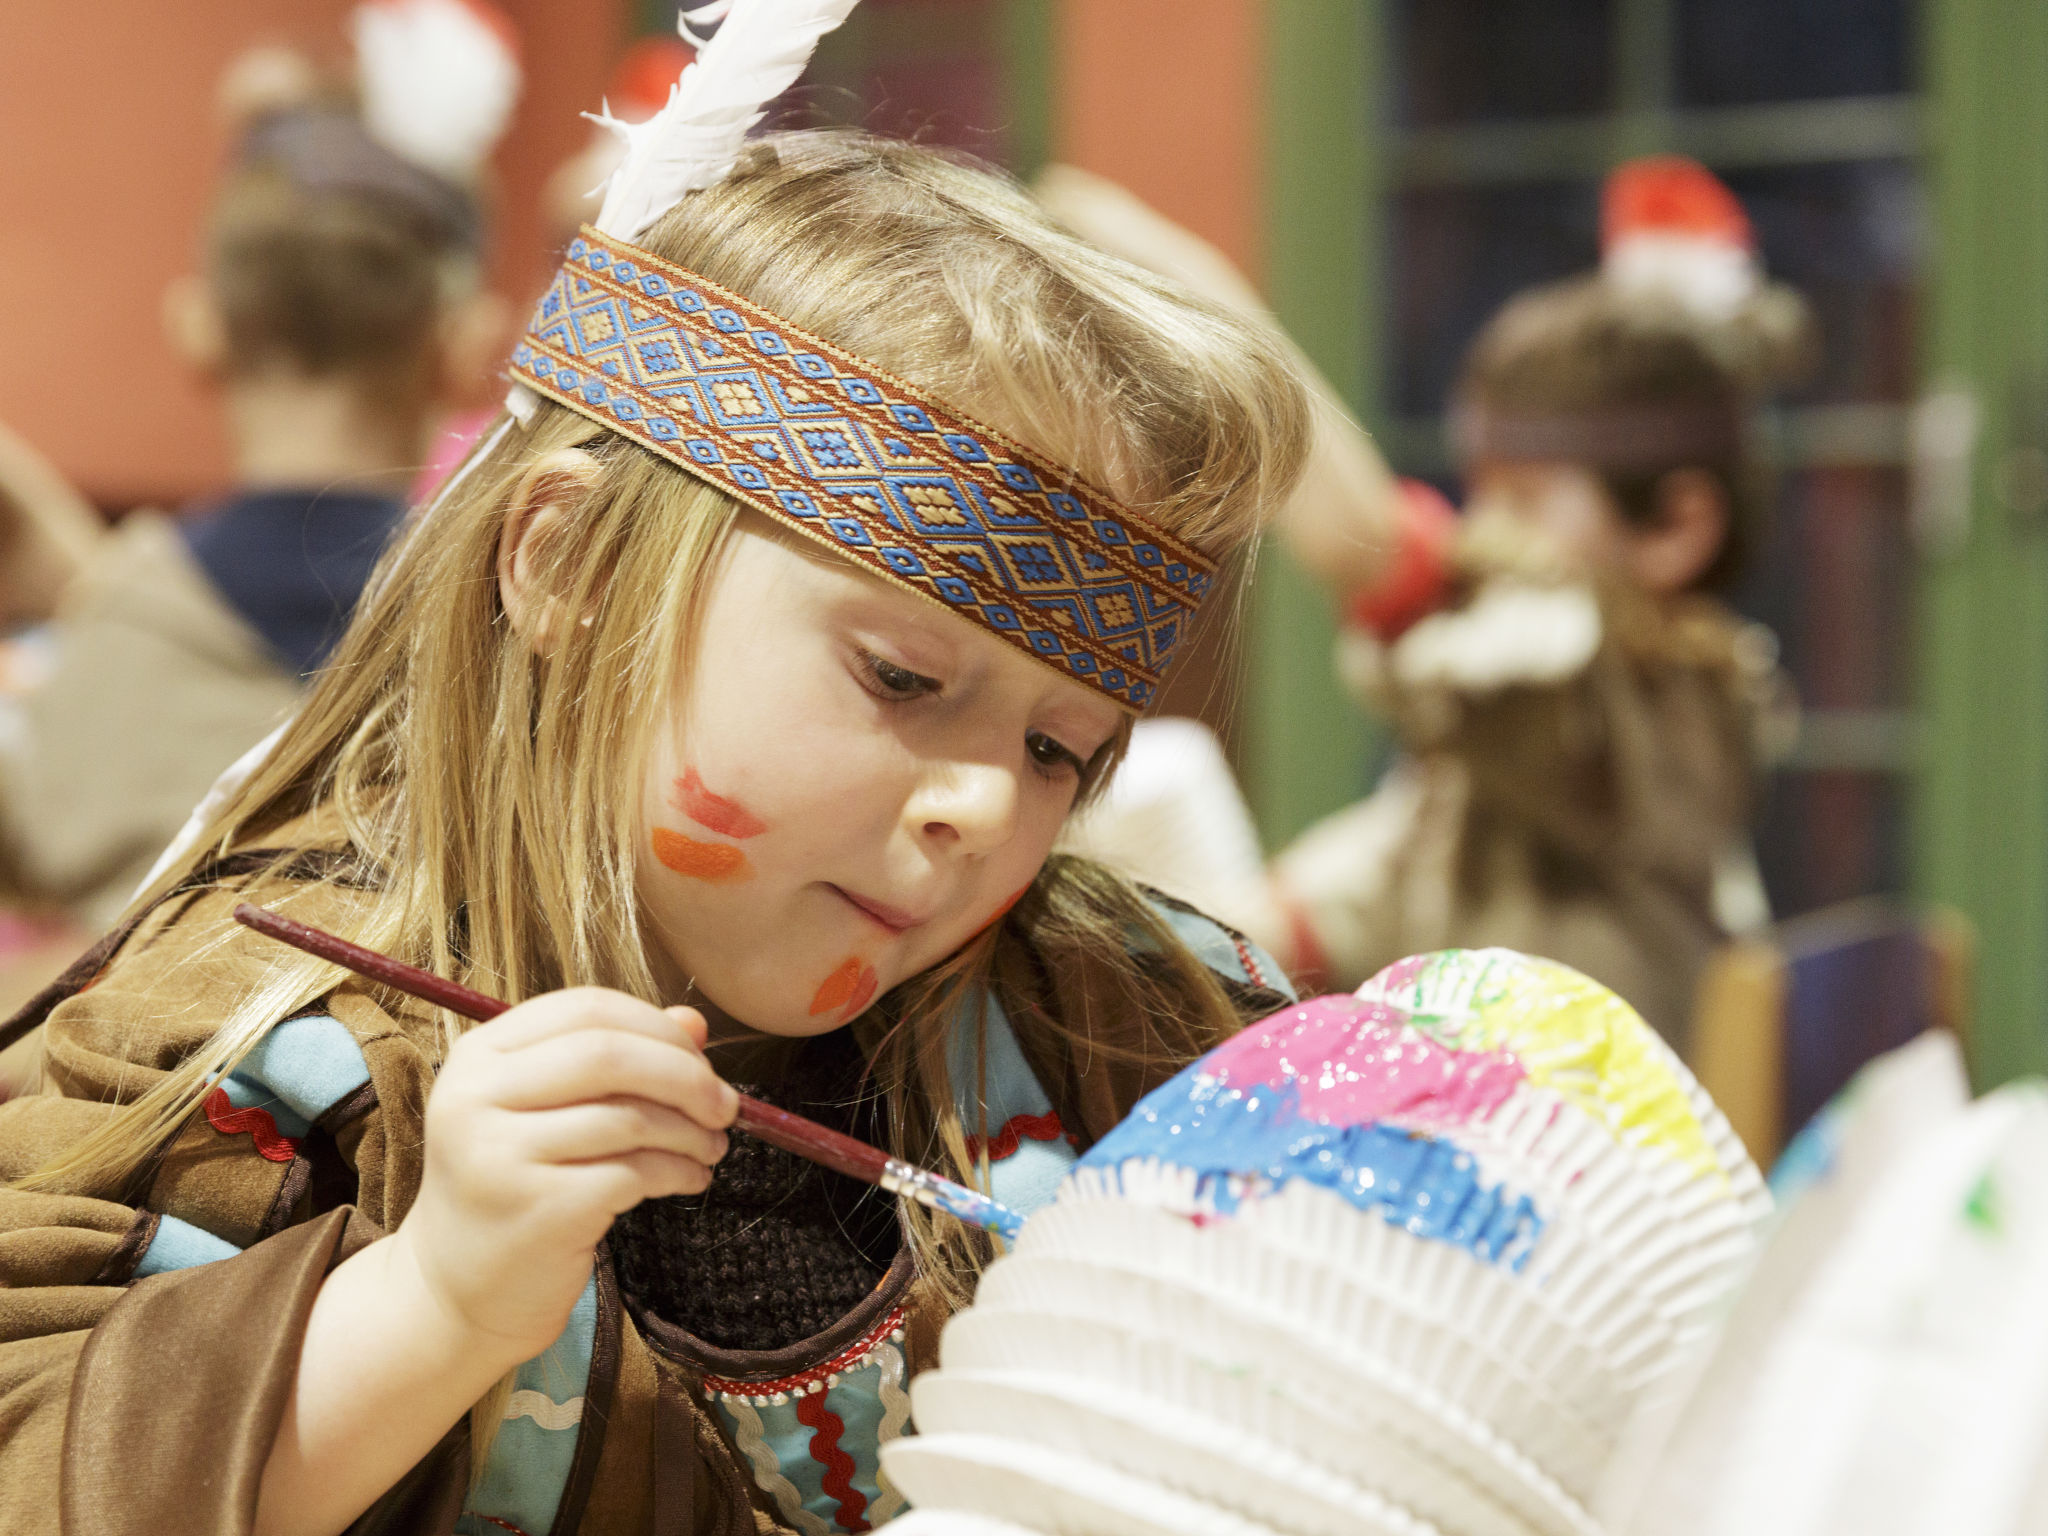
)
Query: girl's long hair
[{"x": 486, "y": 794}]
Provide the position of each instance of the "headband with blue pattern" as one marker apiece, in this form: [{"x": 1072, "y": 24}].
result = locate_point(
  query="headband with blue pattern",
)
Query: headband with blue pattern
[{"x": 848, "y": 455}]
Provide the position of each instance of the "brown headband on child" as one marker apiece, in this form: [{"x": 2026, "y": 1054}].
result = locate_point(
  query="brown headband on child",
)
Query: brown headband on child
[
  {"x": 1619, "y": 439},
  {"x": 846, "y": 454}
]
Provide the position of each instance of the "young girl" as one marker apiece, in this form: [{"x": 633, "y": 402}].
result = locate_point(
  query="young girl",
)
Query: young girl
[{"x": 721, "y": 716}]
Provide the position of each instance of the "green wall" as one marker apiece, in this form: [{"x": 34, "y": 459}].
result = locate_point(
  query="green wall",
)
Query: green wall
[
  {"x": 1308, "y": 748},
  {"x": 1982, "y": 804}
]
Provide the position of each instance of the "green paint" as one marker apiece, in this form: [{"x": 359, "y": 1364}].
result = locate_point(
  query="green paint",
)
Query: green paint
[
  {"x": 1983, "y": 1209},
  {"x": 1308, "y": 750},
  {"x": 1981, "y": 835}
]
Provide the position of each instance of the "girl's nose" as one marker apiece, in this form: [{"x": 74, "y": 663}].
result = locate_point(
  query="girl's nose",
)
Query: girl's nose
[{"x": 969, "y": 806}]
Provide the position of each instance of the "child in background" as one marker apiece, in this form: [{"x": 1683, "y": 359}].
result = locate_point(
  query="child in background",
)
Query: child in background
[
  {"x": 48, "y": 535},
  {"x": 339, "y": 311},
  {"x": 1578, "y": 713},
  {"x": 1582, "y": 725},
  {"x": 721, "y": 715}
]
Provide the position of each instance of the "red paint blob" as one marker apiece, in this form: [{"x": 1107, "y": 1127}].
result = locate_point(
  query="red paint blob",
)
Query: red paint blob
[
  {"x": 698, "y": 860},
  {"x": 848, "y": 989},
  {"x": 728, "y": 818}
]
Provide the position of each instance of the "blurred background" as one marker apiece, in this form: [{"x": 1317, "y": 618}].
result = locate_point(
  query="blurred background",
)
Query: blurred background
[{"x": 1389, "y": 171}]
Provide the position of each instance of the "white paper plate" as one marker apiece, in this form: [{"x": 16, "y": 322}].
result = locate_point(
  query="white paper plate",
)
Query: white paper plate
[
  {"x": 1474, "y": 1334},
  {"x": 1148, "y": 1435},
  {"x": 1052, "y": 1492},
  {"x": 953, "y": 1522},
  {"x": 1447, "y": 1466}
]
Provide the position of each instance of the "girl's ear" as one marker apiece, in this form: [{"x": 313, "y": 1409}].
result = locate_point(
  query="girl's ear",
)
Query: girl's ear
[{"x": 549, "y": 496}]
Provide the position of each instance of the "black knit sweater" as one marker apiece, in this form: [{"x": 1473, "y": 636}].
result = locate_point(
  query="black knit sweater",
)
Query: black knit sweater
[{"x": 777, "y": 1249}]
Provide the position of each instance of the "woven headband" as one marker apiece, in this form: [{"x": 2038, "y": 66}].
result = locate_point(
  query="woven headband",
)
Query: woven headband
[{"x": 845, "y": 454}]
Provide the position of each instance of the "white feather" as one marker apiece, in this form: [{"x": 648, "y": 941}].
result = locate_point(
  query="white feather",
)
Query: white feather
[
  {"x": 692, "y": 142},
  {"x": 438, "y": 82}
]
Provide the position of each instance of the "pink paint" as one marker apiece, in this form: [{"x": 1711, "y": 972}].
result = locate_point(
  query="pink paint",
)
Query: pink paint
[
  {"x": 728, "y": 818},
  {"x": 1365, "y": 1065}
]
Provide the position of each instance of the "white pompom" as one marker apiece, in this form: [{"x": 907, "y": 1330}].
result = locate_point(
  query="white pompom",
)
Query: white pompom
[{"x": 439, "y": 79}]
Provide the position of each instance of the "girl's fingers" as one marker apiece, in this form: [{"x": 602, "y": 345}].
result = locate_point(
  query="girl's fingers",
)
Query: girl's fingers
[
  {"x": 578, "y": 1008},
  {"x": 595, "y": 1064},
  {"x": 694, "y": 1025},
  {"x": 583, "y": 1133},
  {"x": 620, "y": 1183}
]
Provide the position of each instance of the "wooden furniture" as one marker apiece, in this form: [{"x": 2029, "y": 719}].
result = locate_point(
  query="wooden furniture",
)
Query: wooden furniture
[{"x": 1781, "y": 1023}]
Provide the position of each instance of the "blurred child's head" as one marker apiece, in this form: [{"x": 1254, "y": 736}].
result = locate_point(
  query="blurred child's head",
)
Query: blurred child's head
[
  {"x": 330, "y": 260},
  {"x": 642, "y": 736},
  {"x": 1613, "y": 409}
]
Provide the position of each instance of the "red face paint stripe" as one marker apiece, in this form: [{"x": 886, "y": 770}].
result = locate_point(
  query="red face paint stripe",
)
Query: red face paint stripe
[
  {"x": 726, "y": 817},
  {"x": 700, "y": 860}
]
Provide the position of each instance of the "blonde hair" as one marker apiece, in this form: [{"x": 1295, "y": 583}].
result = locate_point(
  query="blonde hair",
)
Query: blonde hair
[{"x": 485, "y": 795}]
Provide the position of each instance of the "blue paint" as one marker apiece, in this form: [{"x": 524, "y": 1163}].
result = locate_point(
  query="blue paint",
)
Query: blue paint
[
  {"x": 974, "y": 1207},
  {"x": 1429, "y": 1187}
]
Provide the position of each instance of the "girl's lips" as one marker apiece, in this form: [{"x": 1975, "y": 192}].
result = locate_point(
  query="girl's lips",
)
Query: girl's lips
[{"x": 895, "y": 919}]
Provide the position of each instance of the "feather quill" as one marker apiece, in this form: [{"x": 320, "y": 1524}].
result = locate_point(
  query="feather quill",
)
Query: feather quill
[{"x": 691, "y": 143}]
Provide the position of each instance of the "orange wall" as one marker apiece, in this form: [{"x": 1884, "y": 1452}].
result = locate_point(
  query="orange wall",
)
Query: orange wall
[
  {"x": 108, "y": 147},
  {"x": 1164, "y": 96}
]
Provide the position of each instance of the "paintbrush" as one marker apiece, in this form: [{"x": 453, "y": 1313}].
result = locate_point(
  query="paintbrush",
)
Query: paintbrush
[{"x": 778, "y": 1127}]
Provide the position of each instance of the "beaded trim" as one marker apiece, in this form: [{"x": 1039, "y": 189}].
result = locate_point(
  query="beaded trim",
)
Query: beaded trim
[
  {"x": 819, "y": 1378},
  {"x": 846, "y": 454}
]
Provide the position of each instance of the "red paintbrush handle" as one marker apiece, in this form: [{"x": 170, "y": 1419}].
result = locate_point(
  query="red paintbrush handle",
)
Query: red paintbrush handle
[
  {"x": 814, "y": 1142},
  {"x": 777, "y": 1127},
  {"x": 395, "y": 974}
]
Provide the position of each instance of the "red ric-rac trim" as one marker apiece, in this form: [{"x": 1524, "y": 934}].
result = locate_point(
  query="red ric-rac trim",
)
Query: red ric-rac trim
[
  {"x": 826, "y": 1427},
  {"x": 1246, "y": 959},
  {"x": 1045, "y": 1127},
  {"x": 818, "y": 1377},
  {"x": 256, "y": 1122},
  {"x": 503, "y": 1525}
]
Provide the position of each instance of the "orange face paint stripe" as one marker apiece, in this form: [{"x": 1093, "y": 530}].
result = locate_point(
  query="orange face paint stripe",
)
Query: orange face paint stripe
[
  {"x": 850, "y": 988},
  {"x": 726, "y": 817},
  {"x": 699, "y": 860},
  {"x": 863, "y": 991}
]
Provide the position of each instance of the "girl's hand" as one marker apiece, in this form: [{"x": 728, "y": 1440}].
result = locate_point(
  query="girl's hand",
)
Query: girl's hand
[{"x": 545, "y": 1124}]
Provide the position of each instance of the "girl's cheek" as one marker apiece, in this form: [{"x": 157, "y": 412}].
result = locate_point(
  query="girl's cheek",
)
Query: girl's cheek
[
  {"x": 718, "y": 863},
  {"x": 699, "y": 858},
  {"x": 1001, "y": 912}
]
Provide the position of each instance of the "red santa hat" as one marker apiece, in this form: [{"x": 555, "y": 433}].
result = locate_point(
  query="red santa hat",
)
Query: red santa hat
[
  {"x": 646, "y": 73},
  {"x": 1669, "y": 224}
]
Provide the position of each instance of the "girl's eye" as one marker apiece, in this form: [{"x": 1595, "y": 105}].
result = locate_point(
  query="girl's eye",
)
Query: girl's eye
[
  {"x": 889, "y": 681},
  {"x": 1047, "y": 753}
]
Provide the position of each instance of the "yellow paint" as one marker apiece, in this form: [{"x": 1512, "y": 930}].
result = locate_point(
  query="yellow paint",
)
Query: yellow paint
[{"x": 1570, "y": 1034}]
